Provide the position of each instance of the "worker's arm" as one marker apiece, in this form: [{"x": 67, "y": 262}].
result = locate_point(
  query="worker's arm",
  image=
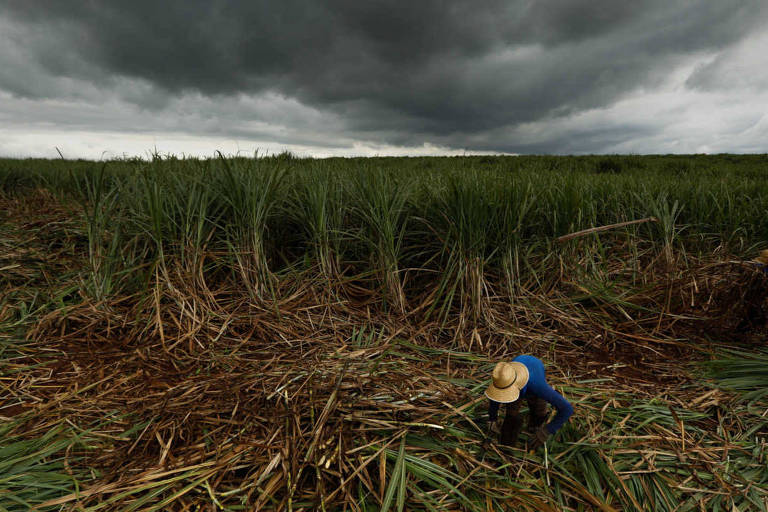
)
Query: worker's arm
[
  {"x": 493, "y": 410},
  {"x": 563, "y": 407},
  {"x": 493, "y": 418}
]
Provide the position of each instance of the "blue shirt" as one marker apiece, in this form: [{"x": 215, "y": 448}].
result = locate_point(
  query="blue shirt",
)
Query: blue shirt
[{"x": 537, "y": 386}]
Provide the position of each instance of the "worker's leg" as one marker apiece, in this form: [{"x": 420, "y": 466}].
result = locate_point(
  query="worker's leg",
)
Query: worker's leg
[
  {"x": 538, "y": 412},
  {"x": 512, "y": 425}
]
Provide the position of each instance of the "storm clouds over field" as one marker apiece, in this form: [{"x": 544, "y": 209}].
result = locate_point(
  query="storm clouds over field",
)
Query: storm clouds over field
[{"x": 351, "y": 77}]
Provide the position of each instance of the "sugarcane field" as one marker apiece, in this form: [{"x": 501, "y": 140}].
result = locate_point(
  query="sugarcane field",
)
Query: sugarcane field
[{"x": 480, "y": 333}]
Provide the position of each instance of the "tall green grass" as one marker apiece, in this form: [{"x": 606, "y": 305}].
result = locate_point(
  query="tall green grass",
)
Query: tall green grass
[
  {"x": 318, "y": 204},
  {"x": 462, "y": 228},
  {"x": 252, "y": 195},
  {"x": 379, "y": 204},
  {"x": 467, "y": 215}
]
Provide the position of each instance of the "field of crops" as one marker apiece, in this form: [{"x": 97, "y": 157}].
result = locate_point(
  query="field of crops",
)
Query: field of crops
[{"x": 295, "y": 334}]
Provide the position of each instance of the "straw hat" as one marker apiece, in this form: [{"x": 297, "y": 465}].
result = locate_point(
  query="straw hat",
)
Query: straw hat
[
  {"x": 763, "y": 257},
  {"x": 507, "y": 381}
]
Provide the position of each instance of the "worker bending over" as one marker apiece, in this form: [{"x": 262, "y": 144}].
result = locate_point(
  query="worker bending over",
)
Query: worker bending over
[{"x": 524, "y": 378}]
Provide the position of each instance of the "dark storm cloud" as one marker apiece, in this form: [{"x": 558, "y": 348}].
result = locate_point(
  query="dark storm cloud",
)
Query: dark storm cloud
[{"x": 436, "y": 71}]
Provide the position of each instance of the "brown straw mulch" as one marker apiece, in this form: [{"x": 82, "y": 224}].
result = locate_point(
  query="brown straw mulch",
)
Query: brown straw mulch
[{"x": 287, "y": 399}]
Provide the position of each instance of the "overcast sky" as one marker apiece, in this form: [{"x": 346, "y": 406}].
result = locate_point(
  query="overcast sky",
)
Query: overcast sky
[{"x": 363, "y": 77}]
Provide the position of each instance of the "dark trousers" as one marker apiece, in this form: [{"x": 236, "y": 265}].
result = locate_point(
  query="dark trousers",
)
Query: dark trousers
[{"x": 513, "y": 422}]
